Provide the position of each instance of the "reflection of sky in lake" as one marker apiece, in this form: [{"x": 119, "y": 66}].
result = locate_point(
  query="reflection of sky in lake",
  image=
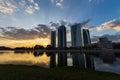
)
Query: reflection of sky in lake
[
  {"x": 100, "y": 66},
  {"x": 9, "y": 57},
  {"x": 115, "y": 67},
  {"x": 23, "y": 59}
]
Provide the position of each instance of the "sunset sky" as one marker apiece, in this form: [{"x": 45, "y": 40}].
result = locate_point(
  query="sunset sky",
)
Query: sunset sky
[{"x": 28, "y": 22}]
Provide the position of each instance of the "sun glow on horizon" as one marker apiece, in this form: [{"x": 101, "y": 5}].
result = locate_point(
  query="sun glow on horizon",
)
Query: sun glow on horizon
[{"x": 25, "y": 43}]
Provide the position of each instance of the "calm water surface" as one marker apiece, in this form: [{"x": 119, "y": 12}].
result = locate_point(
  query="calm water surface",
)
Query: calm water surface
[{"x": 10, "y": 57}]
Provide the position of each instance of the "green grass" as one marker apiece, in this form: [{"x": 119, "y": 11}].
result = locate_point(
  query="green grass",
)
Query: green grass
[{"x": 20, "y": 72}]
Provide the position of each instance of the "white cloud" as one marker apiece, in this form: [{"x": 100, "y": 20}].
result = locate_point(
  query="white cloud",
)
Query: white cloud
[
  {"x": 7, "y": 7},
  {"x": 22, "y": 3},
  {"x": 31, "y": 1},
  {"x": 10, "y": 6},
  {"x": 30, "y": 10},
  {"x": 58, "y": 3},
  {"x": 112, "y": 24},
  {"x": 36, "y": 6}
]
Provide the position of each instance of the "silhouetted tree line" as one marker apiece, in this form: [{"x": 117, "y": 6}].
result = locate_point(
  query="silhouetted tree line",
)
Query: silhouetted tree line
[
  {"x": 5, "y": 48},
  {"x": 49, "y": 47},
  {"x": 23, "y": 49},
  {"x": 39, "y": 47},
  {"x": 36, "y": 47},
  {"x": 37, "y": 53}
]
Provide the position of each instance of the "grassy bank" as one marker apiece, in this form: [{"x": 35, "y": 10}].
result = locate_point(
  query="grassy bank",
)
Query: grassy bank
[{"x": 20, "y": 72}]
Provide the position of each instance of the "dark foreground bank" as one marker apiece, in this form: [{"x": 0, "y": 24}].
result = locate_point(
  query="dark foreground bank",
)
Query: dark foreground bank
[{"x": 20, "y": 72}]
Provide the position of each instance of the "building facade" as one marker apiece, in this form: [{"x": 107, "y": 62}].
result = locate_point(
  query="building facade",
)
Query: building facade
[
  {"x": 76, "y": 39},
  {"x": 87, "y": 41},
  {"x": 62, "y": 42},
  {"x": 104, "y": 43},
  {"x": 53, "y": 55}
]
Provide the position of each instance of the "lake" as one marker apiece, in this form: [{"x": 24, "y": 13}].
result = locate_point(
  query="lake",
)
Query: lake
[{"x": 43, "y": 60}]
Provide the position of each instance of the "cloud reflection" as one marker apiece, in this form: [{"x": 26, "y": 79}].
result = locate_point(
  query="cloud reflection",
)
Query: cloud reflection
[{"x": 101, "y": 66}]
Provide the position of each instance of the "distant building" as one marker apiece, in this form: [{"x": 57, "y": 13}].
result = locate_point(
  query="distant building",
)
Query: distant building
[
  {"x": 87, "y": 41},
  {"x": 62, "y": 57},
  {"x": 104, "y": 43},
  {"x": 76, "y": 39},
  {"x": 53, "y": 44}
]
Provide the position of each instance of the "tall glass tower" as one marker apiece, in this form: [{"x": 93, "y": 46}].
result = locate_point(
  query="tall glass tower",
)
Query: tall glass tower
[
  {"x": 87, "y": 41},
  {"x": 62, "y": 57},
  {"x": 53, "y": 44},
  {"x": 76, "y": 39},
  {"x": 86, "y": 37}
]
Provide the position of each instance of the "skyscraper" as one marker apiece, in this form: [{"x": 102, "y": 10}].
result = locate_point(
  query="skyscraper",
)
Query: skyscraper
[
  {"x": 86, "y": 37},
  {"x": 87, "y": 41},
  {"x": 62, "y": 57},
  {"x": 76, "y": 37},
  {"x": 53, "y": 44}
]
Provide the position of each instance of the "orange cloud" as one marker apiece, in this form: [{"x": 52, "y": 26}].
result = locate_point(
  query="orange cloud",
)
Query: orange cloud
[{"x": 112, "y": 24}]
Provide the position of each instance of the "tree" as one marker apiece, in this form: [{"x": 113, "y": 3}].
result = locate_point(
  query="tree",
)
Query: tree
[{"x": 38, "y": 47}]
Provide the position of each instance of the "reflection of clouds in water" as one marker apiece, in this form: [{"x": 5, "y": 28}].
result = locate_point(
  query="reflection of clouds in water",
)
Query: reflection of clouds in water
[
  {"x": 24, "y": 59},
  {"x": 43, "y": 61},
  {"x": 42, "y": 64},
  {"x": 115, "y": 67}
]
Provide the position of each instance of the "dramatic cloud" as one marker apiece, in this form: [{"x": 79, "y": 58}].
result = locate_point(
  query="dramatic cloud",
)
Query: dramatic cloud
[
  {"x": 41, "y": 31},
  {"x": 10, "y": 6},
  {"x": 63, "y": 22},
  {"x": 55, "y": 25},
  {"x": 112, "y": 24},
  {"x": 115, "y": 37}
]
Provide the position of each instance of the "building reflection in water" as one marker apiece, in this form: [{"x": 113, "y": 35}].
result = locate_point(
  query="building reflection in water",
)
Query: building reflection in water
[
  {"x": 36, "y": 54},
  {"x": 9, "y": 57}
]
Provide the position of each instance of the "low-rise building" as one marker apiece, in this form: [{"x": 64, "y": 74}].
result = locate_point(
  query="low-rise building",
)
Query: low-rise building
[{"x": 104, "y": 43}]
